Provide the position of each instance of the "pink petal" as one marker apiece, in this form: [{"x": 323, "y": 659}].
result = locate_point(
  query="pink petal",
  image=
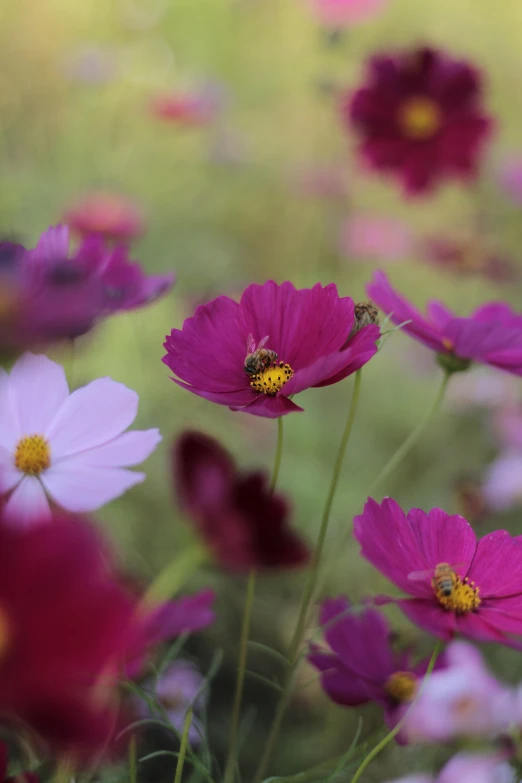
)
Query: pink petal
[
  {"x": 482, "y": 626},
  {"x": 38, "y": 390},
  {"x": 429, "y": 616},
  {"x": 128, "y": 449},
  {"x": 497, "y": 565},
  {"x": 91, "y": 416},
  {"x": 271, "y": 407},
  {"x": 80, "y": 487},
  {"x": 10, "y": 428},
  {"x": 27, "y": 505},
  {"x": 9, "y": 475}
]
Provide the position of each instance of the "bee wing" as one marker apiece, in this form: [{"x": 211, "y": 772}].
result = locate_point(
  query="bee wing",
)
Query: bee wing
[
  {"x": 417, "y": 576},
  {"x": 260, "y": 345},
  {"x": 250, "y": 345}
]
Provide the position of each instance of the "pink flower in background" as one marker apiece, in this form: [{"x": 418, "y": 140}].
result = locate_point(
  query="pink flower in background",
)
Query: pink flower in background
[
  {"x": 457, "y": 584},
  {"x": 510, "y": 178},
  {"x": 468, "y": 768},
  {"x": 345, "y": 13},
  {"x": 492, "y": 334},
  {"x": 482, "y": 387},
  {"x": 461, "y": 700},
  {"x": 469, "y": 257},
  {"x": 112, "y": 216},
  {"x": 375, "y": 238},
  {"x": 363, "y": 665},
  {"x": 71, "y": 448},
  {"x": 91, "y": 64},
  {"x": 295, "y": 338},
  {"x": 502, "y": 486},
  {"x": 198, "y": 107},
  {"x": 419, "y": 117},
  {"x": 321, "y": 181}
]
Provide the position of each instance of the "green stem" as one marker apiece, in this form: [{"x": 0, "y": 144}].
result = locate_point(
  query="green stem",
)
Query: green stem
[
  {"x": 243, "y": 652},
  {"x": 310, "y": 584},
  {"x": 278, "y": 454},
  {"x": 133, "y": 760},
  {"x": 175, "y": 574},
  {"x": 413, "y": 437},
  {"x": 393, "y": 733},
  {"x": 183, "y": 747}
]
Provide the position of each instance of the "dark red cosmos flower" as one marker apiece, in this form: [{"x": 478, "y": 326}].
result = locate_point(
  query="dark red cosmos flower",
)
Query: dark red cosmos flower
[
  {"x": 64, "y": 626},
  {"x": 420, "y": 117},
  {"x": 242, "y": 522},
  {"x": 23, "y": 777},
  {"x": 363, "y": 665},
  {"x": 297, "y": 338}
]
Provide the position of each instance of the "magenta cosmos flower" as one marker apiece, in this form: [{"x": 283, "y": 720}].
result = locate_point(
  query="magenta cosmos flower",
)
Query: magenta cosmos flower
[
  {"x": 277, "y": 341},
  {"x": 457, "y": 584},
  {"x": 243, "y": 523},
  {"x": 363, "y": 665},
  {"x": 420, "y": 117},
  {"x": 492, "y": 334},
  {"x": 72, "y": 448},
  {"x": 111, "y": 215}
]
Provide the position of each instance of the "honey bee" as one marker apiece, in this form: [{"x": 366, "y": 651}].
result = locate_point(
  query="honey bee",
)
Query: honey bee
[
  {"x": 443, "y": 577},
  {"x": 258, "y": 358}
]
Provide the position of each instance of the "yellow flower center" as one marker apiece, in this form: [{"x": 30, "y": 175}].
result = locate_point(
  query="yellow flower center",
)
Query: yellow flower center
[
  {"x": 272, "y": 379},
  {"x": 420, "y": 117},
  {"x": 401, "y": 686},
  {"x": 32, "y": 455},
  {"x": 5, "y": 633},
  {"x": 447, "y": 343},
  {"x": 461, "y": 597}
]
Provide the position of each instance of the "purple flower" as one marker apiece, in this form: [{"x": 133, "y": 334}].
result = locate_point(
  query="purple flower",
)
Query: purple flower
[
  {"x": 468, "y": 768},
  {"x": 490, "y": 335},
  {"x": 72, "y": 448},
  {"x": 277, "y": 341},
  {"x": 457, "y": 584},
  {"x": 461, "y": 700},
  {"x": 363, "y": 665},
  {"x": 179, "y": 688},
  {"x": 419, "y": 117}
]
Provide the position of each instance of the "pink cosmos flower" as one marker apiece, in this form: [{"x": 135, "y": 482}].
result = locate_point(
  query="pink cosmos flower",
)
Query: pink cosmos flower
[
  {"x": 457, "y": 584},
  {"x": 198, "y": 107},
  {"x": 492, "y": 334},
  {"x": 461, "y": 700},
  {"x": 468, "y": 768},
  {"x": 112, "y": 216},
  {"x": 419, "y": 117},
  {"x": 277, "y": 341},
  {"x": 72, "y": 448},
  {"x": 363, "y": 665},
  {"x": 502, "y": 487},
  {"x": 482, "y": 387},
  {"x": 376, "y": 238},
  {"x": 346, "y": 13}
]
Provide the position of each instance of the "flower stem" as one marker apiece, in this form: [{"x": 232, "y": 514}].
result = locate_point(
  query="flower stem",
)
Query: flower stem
[
  {"x": 175, "y": 574},
  {"x": 183, "y": 747},
  {"x": 297, "y": 637},
  {"x": 243, "y": 650},
  {"x": 393, "y": 733},
  {"x": 278, "y": 454},
  {"x": 133, "y": 760},
  {"x": 413, "y": 437}
]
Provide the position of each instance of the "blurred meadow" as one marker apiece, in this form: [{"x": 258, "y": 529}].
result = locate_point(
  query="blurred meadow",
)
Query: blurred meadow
[{"x": 235, "y": 201}]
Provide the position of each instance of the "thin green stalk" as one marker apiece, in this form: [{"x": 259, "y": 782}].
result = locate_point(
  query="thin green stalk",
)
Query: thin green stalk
[
  {"x": 176, "y": 573},
  {"x": 183, "y": 747},
  {"x": 243, "y": 652},
  {"x": 133, "y": 760},
  {"x": 413, "y": 437},
  {"x": 310, "y": 584},
  {"x": 278, "y": 454},
  {"x": 393, "y": 733}
]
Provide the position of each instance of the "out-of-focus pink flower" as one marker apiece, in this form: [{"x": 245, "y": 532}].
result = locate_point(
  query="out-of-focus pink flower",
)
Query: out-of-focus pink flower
[
  {"x": 469, "y": 257},
  {"x": 91, "y": 64},
  {"x": 198, "y": 107},
  {"x": 468, "y": 768},
  {"x": 510, "y": 177},
  {"x": 456, "y": 584},
  {"x": 461, "y": 700},
  {"x": 112, "y": 216},
  {"x": 502, "y": 486},
  {"x": 419, "y": 117},
  {"x": 321, "y": 182},
  {"x": 72, "y": 448},
  {"x": 371, "y": 237},
  {"x": 482, "y": 387},
  {"x": 346, "y": 13}
]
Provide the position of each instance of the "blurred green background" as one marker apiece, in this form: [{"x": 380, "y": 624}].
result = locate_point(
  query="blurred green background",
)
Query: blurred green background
[{"x": 222, "y": 219}]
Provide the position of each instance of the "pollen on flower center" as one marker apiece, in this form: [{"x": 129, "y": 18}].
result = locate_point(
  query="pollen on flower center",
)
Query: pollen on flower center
[
  {"x": 420, "y": 117},
  {"x": 463, "y": 597},
  {"x": 272, "y": 379},
  {"x": 32, "y": 455},
  {"x": 5, "y": 633},
  {"x": 401, "y": 686}
]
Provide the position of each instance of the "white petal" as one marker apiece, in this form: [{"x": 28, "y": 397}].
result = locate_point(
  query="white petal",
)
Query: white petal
[
  {"x": 38, "y": 390},
  {"x": 27, "y": 505},
  {"x": 80, "y": 487},
  {"x": 128, "y": 449},
  {"x": 92, "y": 415},
  {"x": 9, "y": 475},
  {"x": 10, "y": 428}
]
